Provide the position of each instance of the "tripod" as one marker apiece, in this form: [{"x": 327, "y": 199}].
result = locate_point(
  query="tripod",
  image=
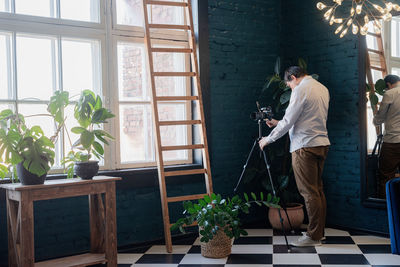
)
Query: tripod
[{"x": 270, "y": 180}]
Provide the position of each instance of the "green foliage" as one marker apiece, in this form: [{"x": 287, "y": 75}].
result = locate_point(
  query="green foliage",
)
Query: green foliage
[
  {"x": 380, "y": 87},
  {"x": 29, "y": 146},
  {"x": 212, "y": 213},
  {"x": 91, "y": 115}
]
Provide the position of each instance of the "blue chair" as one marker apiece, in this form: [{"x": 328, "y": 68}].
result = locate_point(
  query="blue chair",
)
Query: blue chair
[{"x": 393, "y": 206}]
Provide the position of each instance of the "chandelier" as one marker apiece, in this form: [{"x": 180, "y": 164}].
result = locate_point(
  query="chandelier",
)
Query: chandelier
[{"x": 362, "y": 15}]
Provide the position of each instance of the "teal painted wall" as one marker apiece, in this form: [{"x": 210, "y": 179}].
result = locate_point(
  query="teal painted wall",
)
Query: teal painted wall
[{"x": 305, "y": 34}]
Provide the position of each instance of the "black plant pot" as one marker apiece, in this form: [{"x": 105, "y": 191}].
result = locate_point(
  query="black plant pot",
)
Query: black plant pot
[
  {"x": 86, "y": 170},
  {"x": 28, "y": 178}
]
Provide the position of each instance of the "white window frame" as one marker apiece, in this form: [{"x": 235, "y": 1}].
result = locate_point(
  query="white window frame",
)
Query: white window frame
[{"x": 108, "y": 33}]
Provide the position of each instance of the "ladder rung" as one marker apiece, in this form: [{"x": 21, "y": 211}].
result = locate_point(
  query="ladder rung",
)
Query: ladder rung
[
  {"x": 171, "y": 50},
  {"x": 185, "y": 198},
  {"x": 185, "y": 172},
  {"x": 374, "y": 34},
  {"x": 166, "y": 3},
  {"x": 375, "y": 51},
  {"x": 191, "y": 122},
  {"x": 377, "y": 68},
  {"x": 169, "y": 26},
  {"x": 176, "y": 98},
  {"x": 174, "y": 73},
  {"x": 185, "y": 147}
]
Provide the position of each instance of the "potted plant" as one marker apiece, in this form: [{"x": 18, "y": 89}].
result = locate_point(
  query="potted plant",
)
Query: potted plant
[
  {"x": 218, "y": 220},
  {"x": 26, "y": 153},
  {"x": 91, "y": 115}
]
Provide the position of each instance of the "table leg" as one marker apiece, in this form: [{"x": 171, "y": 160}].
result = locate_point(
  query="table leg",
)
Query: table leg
[
  {"x": 96, "y": 210},
  {"x": 12, "y": 213},
  {"x": 26, "y": 231},
  {"x": 111, "y": 227}
]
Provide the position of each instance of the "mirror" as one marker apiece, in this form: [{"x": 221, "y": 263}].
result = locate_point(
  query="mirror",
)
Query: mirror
[{"x": 382, "y": 57}]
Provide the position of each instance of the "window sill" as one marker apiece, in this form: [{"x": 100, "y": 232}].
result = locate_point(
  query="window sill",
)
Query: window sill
[{"x": 139, "y": 177}]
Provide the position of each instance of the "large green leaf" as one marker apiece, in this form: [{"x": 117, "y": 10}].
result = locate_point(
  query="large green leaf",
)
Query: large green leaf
[
  {"x": 380, "y": 86},
  {"x": 38, "y": 154},
  {"x": 98, "y": 148},
  {"x": 3, "y": 171},
  {"x": 58, "y": 102},
  {"x": 87, "y": 139},
  {"x": 302, "y": 64},
  {"x": 277, "y": 68},
  {"x": 374, "y": 99},
  {"x": 9, "y": 145},
  {"x": 78, "y": 130},
  {"x": 285, "y": 97}
]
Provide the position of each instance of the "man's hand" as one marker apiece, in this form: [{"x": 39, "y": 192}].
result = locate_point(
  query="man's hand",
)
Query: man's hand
[
  {"x": 263, "y": 143},
  {"x": 271, "y": 123}
]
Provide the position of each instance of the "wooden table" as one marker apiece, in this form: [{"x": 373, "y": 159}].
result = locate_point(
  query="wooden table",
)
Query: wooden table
[{"x": 103, "y": 230}]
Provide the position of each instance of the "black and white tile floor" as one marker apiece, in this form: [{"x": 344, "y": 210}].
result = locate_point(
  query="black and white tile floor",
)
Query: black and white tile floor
[{"x": 266, "y": 248}]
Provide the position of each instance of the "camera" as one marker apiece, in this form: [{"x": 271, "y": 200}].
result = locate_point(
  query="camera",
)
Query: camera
[{"x": 262, "y": 113}]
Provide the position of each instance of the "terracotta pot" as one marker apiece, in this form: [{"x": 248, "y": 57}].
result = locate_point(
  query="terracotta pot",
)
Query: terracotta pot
[
  {"x": 296, "y": 216},
  {"x": 219, "y": 247}
]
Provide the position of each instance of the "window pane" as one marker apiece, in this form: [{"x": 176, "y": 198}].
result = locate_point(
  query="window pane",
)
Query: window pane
[
  {"x": 36, "y": 67},
  {"x": 132, "y": 72},
  {"x": 81, "y": 64},
  {"x": 136, "y": 135},
  {"x": 4, "y": 106},
  {"x": 167, "y": 14},
  {"x": 396, "y": 71},
  {"x": 395, "y": 36},
  {"x": 130, "y": 12},
  {"x": 173, "y": 135},
  {"x": 89, "y": 10},
  {"x": 6, "y": 90},
  {"x": 5, "y": 6},
  {"x": 43, "y": 8}
]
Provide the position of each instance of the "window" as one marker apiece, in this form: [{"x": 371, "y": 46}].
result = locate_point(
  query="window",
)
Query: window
[{"x": 49, "y": 45}]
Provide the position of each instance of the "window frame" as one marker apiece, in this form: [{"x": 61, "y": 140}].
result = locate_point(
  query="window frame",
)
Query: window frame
[{"x": 108, "y": 33}]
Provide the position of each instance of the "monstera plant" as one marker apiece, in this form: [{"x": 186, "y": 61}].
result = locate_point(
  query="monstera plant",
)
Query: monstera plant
[{"x": 25, "y": 152}]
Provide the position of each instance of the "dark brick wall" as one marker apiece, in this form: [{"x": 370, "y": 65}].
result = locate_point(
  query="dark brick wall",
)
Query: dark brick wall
[
  {"x": 305, "y": 34},
  {"x": 244, "y": 42}
]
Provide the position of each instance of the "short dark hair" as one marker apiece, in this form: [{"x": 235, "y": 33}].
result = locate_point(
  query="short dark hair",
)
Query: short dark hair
[
  {"x": 391, "y": 79},
  {"x": 296, "y": 71}
]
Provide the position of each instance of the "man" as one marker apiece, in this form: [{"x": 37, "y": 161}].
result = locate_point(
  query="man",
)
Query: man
[
  {"x": 305, "y": 119},
  {"x": 389, "y": 114}
]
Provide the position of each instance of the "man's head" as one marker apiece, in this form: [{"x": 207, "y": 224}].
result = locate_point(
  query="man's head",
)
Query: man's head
[
  {"x": 392, "y": 81},
  {"x": 294, "y": 75}
]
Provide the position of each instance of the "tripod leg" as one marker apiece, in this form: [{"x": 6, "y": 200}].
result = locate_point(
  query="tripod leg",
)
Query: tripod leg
[
  {"x": 287, "y": 216},
  {"x": 274, "y": 193},
  {"x": 245, "y": 165}
]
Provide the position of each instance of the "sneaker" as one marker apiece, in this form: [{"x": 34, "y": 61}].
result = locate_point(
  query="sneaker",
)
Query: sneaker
[
  {"x": 322, "y": 239},
  {"x": 306, "y": 241}
]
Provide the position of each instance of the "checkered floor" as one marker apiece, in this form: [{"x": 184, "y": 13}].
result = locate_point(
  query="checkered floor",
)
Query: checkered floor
[{"x": 266, "y": 248}]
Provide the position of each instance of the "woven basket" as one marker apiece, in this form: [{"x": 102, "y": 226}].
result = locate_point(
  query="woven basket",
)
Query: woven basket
[{"x": 219, "y": 247}]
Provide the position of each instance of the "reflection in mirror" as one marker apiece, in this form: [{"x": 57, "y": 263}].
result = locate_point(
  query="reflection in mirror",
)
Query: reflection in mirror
[{"x": 383, "y": 106}]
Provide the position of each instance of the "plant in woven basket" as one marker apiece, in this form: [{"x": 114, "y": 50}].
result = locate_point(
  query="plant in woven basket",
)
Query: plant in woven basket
[{"x": 214, "y": 214}]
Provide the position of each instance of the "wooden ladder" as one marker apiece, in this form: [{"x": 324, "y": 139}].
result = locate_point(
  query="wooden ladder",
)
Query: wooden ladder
[
  {"x": 162, "y": 173},
  {"x": 380, "y": 66}
]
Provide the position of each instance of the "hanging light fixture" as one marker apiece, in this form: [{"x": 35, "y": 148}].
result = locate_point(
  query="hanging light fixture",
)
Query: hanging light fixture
[{"x": 360, "y": 15}]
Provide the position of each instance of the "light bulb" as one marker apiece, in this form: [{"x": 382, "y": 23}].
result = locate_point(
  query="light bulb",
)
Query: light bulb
[
  {"x": 328, "y": 13},
  {"x": 387, "y": 17},
  {"x": 396, "y": 7},
  {"x": 352, "y": 11},
  {"x": 332, "y": 20},
  {"x": 378, "y": 23},
  {"x": 366, "y": 19},
  {"x": 338, "y": 20},
  {"x": 343, "y": 33},
  {"x": 364, "y": 29},
  {"x": 339, "y": 2},
  {"x": 389, "y": 6},
  {"x": 379, "y": 8},
  {"x": 349, "y": 22},
  {"x": 359, "y": 9},
  {"x": 321, "y": 6},
  {"x": 355, "y": 29},
  {"x": 339, "y": 29}
]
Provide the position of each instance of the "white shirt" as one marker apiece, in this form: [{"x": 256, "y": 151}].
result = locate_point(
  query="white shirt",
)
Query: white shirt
[
  {"x": 389, "y": 113},
  {"x": 305, "y": 117}
]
